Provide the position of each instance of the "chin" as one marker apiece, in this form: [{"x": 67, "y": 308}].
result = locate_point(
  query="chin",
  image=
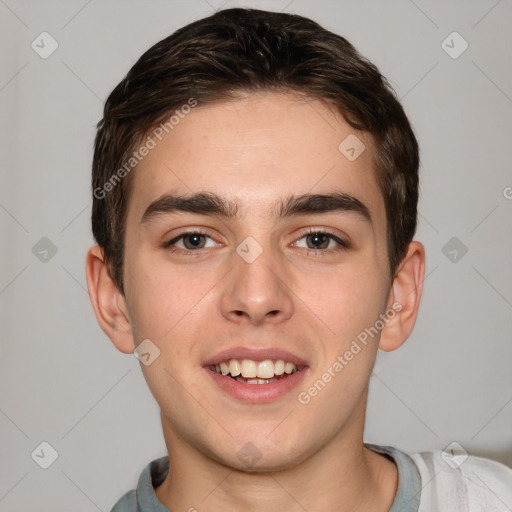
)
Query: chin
[
  {"x": 258, "y": 462},
  {"x": 260, "y": 454}
]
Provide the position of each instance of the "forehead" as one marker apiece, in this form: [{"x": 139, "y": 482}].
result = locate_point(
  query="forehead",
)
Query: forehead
[{"x": 256, "y": 150}]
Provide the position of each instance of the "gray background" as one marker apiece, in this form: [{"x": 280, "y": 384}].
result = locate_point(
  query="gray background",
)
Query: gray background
[{"x": 62, "y": 381}]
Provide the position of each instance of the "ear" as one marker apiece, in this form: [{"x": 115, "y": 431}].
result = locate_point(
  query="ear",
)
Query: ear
[
  {"x": 108, "y": 302},
  {"x": 404, "y": 298}
]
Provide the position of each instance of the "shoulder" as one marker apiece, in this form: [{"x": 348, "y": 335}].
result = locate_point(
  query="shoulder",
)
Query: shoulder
[
  {"x": 127, "y": 503},
  {"x": 462, "y": 482},
  {"x": 144, "y": 499}
]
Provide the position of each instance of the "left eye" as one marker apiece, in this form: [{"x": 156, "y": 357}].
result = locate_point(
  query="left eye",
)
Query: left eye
[{"x": 321, "y": 241}]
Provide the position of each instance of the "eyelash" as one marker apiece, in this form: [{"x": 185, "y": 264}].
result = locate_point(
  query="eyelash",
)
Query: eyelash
[{"x": 342, "y": 244}]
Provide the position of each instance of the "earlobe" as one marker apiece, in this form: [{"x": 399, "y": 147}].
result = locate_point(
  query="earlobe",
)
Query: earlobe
[
  {"x": 404, "y": 298},
  {"x": 108, "y": 302}
]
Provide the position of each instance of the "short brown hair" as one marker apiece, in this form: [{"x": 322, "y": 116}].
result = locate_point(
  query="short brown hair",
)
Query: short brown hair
[{"x": 249, "y": 50}]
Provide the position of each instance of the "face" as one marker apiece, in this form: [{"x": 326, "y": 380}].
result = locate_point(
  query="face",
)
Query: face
[{"x": 270, "y": 281}]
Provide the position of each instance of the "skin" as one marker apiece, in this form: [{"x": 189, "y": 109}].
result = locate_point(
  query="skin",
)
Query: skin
[{"x": 257, "y": 150}]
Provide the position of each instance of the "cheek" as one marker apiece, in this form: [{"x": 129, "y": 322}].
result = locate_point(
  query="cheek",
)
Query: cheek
[
  {"x": 165, "y": 303},
  {"x": 159, "y": 299},
  {"x": 348, "y": 300},
  {"x": 166, "y": 307}
]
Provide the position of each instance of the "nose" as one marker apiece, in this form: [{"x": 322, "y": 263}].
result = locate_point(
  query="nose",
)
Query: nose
[{"x": 257, "y": 292}]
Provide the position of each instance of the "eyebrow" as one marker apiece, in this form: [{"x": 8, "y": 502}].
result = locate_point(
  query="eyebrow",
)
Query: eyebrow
[{"x": 209, "y": 203}]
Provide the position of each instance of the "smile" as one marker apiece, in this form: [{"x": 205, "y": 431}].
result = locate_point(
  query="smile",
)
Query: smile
[
  {"x": 256, "y": 376},
  {"x": 248, "y": 371}
]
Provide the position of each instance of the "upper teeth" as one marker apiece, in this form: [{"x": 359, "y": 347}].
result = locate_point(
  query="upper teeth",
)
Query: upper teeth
[{"x": 249, "y": 369}]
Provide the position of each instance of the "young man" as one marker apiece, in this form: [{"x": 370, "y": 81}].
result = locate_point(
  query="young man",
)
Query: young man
[{"x": 255, "y": 188}]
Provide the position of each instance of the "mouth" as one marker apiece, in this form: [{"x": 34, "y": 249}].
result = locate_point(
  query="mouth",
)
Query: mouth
[
  {"x": 248, "y": 371},
  {"x": 256, "y": 376}
]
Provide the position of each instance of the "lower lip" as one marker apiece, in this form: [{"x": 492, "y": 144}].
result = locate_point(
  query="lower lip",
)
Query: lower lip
[{"x": 257, "y": 393}]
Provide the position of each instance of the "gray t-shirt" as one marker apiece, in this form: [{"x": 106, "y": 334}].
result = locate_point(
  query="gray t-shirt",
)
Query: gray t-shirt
[{"x": 144, "y": 499}]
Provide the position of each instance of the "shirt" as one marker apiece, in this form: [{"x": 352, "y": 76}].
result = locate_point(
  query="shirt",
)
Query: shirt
[{"x": 428, "y": 481}]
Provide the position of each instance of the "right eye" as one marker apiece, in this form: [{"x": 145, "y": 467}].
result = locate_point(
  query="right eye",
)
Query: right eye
[{"x": 189, "y": 242}]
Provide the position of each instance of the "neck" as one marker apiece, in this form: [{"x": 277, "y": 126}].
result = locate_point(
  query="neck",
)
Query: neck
[{"x": 343, "y": 476}]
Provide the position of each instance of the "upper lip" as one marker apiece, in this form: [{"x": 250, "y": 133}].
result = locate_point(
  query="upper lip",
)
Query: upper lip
[{"x": 259, "y": 354}]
